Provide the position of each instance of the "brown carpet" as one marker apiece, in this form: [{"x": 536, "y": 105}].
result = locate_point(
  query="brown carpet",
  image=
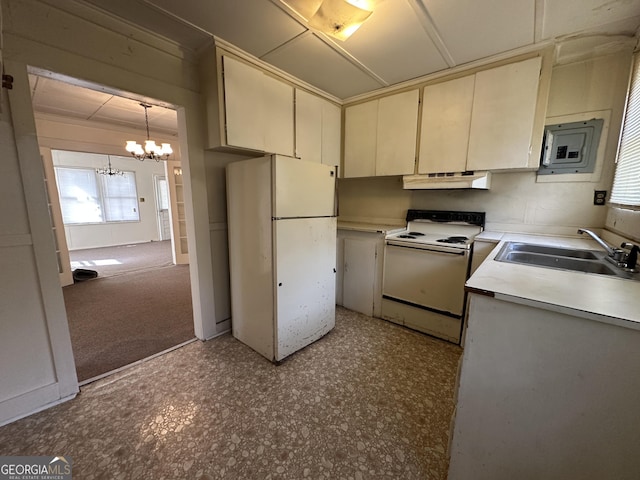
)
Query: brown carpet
[
  {"x": 118, "y": 320},
  {"x": 110, "y": 261}
]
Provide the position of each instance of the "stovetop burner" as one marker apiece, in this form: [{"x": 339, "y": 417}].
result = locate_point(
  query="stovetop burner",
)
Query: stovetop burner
[
  {"x": 454, "y": 239},
  {"x": 407, "y": 236},
  {"x": 416, "y": 234}
]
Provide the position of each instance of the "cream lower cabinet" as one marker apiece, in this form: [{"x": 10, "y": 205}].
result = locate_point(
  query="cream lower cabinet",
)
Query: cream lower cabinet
[
  {"x": 318, "y": 129},
  {"x": 359, "y": 275},
  {"x": 483, "y": 121},
  {"x": 380, "y": 136}
]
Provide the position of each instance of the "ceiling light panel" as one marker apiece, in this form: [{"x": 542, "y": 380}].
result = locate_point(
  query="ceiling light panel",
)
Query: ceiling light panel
[
  {"x": 472, "y": 30},
  {"x": 256, "y": 26},
  {"x": 393, "y": 44}
]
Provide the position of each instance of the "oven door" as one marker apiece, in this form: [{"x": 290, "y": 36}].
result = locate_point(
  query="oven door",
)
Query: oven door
[{"x": 432, "y": 278}]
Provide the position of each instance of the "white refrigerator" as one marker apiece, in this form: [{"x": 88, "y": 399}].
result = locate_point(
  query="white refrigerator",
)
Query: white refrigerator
[{"x": 282, "y": 252}]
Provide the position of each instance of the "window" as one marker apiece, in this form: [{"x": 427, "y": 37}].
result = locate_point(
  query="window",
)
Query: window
[
  {"x": 85, "y": 199},
  {"x": 626, "y": 183}
]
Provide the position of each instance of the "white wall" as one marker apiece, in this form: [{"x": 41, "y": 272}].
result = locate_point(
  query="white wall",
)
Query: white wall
[
  {"x": 516, "y": 201},
  {"x": 73, "y": 39},
  {"x": 116, "y": 233}
]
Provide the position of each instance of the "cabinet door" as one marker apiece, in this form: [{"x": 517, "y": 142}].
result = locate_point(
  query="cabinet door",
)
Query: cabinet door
[
  {"x": 331, "y": 133},
  {"x": 308, "y": 126},
  {"x": 360, "y": 130},
  {"x": 444, "y": 132},
  {"x": 244, "y": 113},
  {"x": 397, "y": 131},
  {"x": 277, "y": 105},
  {"x": 359, "y": 274},
  {"x": 503, "y": 115}
]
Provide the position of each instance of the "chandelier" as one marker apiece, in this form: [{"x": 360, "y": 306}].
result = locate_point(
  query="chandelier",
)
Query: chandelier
[
  {"x": 109, "y": 170},
  {"x": 151, "y": 150}
]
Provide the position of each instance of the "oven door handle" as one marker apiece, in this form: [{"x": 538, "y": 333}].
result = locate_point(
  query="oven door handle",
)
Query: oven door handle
[{"x": 427, "y": 249}]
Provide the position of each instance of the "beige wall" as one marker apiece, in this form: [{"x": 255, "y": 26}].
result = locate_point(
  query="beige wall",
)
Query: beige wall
[
  {"x": 72, "y": 39},
  {"x": 516, "y": 201}
]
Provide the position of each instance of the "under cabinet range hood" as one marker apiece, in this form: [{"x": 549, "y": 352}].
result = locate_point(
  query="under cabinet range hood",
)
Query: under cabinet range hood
[{"x": 447, "y": 181}]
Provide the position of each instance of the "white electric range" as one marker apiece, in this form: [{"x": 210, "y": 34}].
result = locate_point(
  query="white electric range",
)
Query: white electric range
[{"x": 425, "y": 269}]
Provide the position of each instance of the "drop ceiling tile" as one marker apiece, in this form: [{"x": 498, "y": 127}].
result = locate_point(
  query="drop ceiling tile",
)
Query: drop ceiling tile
[
  {"x": 471, "y": 29},
  {"x": 140, "y": 13},
  {"x": 52, "y": 96},
  {"x": 570, "y": 16},
  {"x": 312, "y": 60},
  {"x": 394, "y": 45},
  {"x": 256, "y": 26}
]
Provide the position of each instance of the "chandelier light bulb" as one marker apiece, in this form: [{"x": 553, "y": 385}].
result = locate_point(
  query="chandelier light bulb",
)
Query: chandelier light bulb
[{"x": 151, "y": 149}]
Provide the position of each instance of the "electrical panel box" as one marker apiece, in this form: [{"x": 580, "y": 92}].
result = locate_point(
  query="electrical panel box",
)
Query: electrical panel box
[{"x": 570, "y": 147}]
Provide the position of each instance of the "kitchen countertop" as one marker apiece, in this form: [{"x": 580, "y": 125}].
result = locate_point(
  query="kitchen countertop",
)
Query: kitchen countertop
[
  {"x": 369, "y": 227},
  {"x": 599, "y": 297}
]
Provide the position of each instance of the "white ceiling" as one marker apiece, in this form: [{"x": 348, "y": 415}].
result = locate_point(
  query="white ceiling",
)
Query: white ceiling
[
  {"x": 56, "y": 97},
  {"x": 402, "y": 40}
]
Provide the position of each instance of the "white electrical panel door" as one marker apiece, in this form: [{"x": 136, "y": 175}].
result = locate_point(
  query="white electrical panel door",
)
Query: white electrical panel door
[
  {"x": 305, "y": 263},
  {"x": 302, "y": 189}
]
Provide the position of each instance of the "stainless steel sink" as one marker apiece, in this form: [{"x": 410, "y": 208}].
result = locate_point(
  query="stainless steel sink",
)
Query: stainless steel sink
[
  {"x": 587, "y": 261},
  {"x": 560, "y": 252}
]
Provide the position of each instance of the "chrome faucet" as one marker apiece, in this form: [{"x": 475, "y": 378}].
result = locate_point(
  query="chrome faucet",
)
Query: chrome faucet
[
  {"x": 612, "y": 252},
  {"x": 618, "y": 256}
]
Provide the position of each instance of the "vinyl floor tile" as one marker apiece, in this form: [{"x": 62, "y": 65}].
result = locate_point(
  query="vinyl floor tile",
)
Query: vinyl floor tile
[{"x": 370, "y": 400}]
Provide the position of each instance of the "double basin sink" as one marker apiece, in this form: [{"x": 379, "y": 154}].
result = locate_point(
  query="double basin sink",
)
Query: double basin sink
[{"x": 587, "y": 261}]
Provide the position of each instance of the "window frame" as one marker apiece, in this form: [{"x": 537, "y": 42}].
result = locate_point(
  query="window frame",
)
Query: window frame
[
  {"x": 101, "y": 196},
  {"x": 628, "y": 155}
]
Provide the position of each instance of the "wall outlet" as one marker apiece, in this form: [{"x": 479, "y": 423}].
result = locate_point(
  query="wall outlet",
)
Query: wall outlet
[{"x": 599, "y": 197}]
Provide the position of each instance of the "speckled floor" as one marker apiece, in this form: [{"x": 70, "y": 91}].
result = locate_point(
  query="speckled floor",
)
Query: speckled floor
[{"x": 369, "y": 400}]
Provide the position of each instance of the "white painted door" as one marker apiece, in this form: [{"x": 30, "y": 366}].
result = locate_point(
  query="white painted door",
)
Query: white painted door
[
  {"x": 305, "y": 256},
  {"x": 162, "y": 207},
  {"x": 359, "y": 273}
]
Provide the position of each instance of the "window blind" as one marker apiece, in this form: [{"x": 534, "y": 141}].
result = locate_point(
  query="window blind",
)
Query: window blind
[
  {"x": 79, "y": 197},
  {"x": 626, "y": 183},
  {"x": 120, "y": 197}
]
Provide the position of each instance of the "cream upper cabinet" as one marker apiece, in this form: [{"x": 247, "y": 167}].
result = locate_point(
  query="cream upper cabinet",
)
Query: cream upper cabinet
[
  {"x": 503, "y": 116},
  {"x": 444, "y": 131},
  {"x": 360, "y": 134},
  {"x": 258, "y": 109},
  {"x": 380, "y": 136},
  {"x": 318, "y": 129}
]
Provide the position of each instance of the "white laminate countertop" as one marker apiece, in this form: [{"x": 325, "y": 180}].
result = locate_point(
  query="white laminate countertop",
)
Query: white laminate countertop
[
  {"x": 369, "y": 227},
  {"x": 600, "y": 297}
]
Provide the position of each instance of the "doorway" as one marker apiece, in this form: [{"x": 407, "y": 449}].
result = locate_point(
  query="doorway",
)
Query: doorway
[{"x": 115, "y": 319}]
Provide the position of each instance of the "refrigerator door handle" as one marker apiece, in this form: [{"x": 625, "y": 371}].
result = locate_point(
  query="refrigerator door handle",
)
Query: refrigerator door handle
[{"x": 336, "y": 210}]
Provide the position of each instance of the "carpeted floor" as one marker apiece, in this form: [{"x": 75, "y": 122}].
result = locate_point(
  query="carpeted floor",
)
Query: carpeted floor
[
  {"x": 136, "y": 312},
  {"x": 121, "y": 259},
  {"x": 370, "y": 400}
]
